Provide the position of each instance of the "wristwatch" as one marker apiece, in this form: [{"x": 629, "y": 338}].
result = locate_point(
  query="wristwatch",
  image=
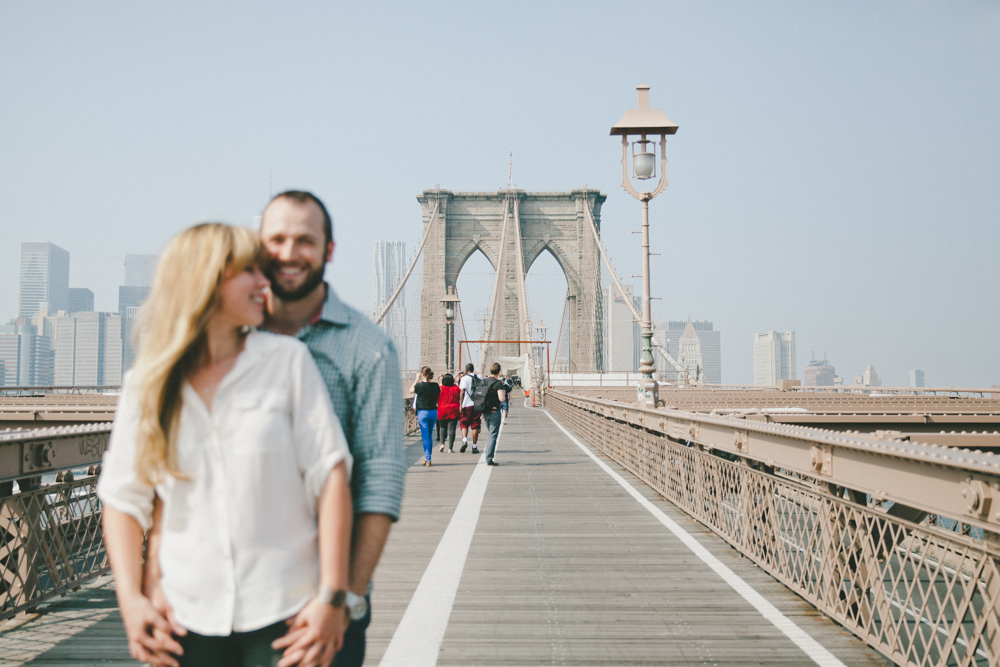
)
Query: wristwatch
[
  {"x": 331, "y": 597},
  {"x": 357, "y": 605}
]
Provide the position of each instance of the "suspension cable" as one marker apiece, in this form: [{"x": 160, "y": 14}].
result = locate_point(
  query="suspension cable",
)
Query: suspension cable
[
  {"x": 628, "y": 302},
  {"x": 399, "y": 288}
]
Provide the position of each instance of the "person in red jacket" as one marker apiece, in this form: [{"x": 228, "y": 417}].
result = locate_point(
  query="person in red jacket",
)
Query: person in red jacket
[{"x": 448, "y": 412}]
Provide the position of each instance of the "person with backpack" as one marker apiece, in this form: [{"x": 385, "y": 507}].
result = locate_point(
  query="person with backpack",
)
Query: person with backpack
[
  {"x": 505, "y": 406},
  {"x": 469, "y": 419},
  {"x": 490, "y": 394},
  {"x": 448, "y": 411}
]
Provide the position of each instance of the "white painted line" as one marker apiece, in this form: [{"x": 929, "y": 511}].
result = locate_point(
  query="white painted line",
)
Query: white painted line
[
  {"x": 810, "y": 646},
  {"x": 418, "y": 637}
]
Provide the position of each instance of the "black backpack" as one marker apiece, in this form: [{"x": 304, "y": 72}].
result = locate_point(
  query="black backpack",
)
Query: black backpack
[{"x": 481, "y": 390}]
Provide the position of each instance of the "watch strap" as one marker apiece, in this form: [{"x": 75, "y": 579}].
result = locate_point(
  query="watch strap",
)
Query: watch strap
[{"x": 334, "y": 598}]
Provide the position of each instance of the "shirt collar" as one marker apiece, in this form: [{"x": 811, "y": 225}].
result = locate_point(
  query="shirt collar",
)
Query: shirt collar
[{"x": 334, "y": 311}]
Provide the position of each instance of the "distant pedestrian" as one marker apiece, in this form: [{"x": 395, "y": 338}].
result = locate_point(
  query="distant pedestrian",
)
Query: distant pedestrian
[
  {"x": 427, "y": 392},
  {"x": 448, "y": 412},
  {"x": 505, "y": 406},
  {"x": 495, "y": 397},
  {"x": 470, "y": 419}
]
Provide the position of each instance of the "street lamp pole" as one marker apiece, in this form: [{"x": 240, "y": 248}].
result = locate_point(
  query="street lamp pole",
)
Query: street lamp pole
[
  {"x": 642, "y": 122},
  {"x": 450, "y": 301}
]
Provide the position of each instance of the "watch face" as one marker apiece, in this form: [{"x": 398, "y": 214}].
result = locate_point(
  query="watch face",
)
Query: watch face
[{"x": 358, "y": 606}]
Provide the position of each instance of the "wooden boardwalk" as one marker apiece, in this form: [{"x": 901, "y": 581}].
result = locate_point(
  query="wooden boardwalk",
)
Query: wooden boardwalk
[{"x": 564, "y": 567}]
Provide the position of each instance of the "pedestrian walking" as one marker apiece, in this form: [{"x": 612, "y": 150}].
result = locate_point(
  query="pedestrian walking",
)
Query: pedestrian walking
[
  {"x": 448, "y": 411},
  {"x": 469, "y": 420},
  {"x": 427, "y": 392},
  {"x": 227, "y": 436},
  {"x": 494, "y": 397},
  {"x": 505, "y": 406}
]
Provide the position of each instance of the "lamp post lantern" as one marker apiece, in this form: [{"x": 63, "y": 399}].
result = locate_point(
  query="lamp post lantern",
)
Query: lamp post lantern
[
  {"x": 642, "y": 123},
  {"x": 450, "y": 301}
]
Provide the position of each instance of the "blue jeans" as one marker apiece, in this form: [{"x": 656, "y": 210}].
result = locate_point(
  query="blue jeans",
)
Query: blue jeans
[
  {"x": 492, "y": 422},
  {"x": 352, "y": 653},
  {"x": 427, "y": 419}
]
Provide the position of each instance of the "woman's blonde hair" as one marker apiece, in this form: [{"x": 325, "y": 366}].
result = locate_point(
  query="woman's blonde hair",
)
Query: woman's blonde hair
[{"x": 172, "y": 330}]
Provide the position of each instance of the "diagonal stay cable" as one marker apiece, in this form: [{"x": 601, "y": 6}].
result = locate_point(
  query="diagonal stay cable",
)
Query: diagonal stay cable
[
  {"x": 614, "y": 277},
  {"x": 399, "y": 288}
]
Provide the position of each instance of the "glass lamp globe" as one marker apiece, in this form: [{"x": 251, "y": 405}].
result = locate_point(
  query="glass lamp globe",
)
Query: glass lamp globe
[{"x": 643, "y": 164}]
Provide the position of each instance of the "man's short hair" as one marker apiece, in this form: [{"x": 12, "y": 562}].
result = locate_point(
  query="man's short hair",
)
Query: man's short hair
[
  {"x": 469, "y": 368},
  {"x": 302, "y": 196},
  {"x": 495, "y": 368}
]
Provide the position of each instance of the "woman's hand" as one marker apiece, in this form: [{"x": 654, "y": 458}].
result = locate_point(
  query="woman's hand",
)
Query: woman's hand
[
  {"x": 314, "y": 635},
  {"x": 151, "y": 589},
  {"x": 167, "y": 643},
  {"x": 148, "y": 632}
]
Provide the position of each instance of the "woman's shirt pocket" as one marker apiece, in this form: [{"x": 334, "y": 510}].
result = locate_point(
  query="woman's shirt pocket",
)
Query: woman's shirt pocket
[{"x": 261, "y": 420}]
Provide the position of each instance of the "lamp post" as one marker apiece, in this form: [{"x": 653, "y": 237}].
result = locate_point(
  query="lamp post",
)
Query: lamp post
[
  {"x": 450, "y": 301},
  {"x": 643, "y": 122}
]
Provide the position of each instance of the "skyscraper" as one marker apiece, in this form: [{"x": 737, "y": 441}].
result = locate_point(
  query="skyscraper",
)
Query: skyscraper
[
  {"x": 89, "y": 349},
  {"x": 916, "y": 378},
  {"x": 869, "y": 379},
  {"x": 81, "y": 300},
  {"x": 140, "y": 269},
  {"x": 389, "y": 266},
  {"x": 113, "y": 364},
  {"x": 44, "y": 278},
  {"x": 773, "y": 357},
  {"x": 130, "y": 340},
  {"x": 622, "y": 346},
  {"x": 131, "y": 296},
  {"x": 25, "y": 356},
  {"x": 710, "y": 342},
  {"x": 818, "y": 374}
]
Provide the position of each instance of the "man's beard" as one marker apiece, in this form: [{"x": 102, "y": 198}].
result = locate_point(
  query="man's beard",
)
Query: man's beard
[{"x": 314, "y": 276}]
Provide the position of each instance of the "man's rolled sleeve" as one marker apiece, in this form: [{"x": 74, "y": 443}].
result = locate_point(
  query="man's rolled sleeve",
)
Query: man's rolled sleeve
[{"x": 379, "y": 466}]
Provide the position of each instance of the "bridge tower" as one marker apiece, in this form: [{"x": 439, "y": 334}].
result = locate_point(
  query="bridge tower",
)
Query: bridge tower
[{"x": 534, "y": 222}]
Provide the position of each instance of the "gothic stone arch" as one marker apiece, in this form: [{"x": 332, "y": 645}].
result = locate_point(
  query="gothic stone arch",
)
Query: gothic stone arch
[{"x": 474, "y": 220}]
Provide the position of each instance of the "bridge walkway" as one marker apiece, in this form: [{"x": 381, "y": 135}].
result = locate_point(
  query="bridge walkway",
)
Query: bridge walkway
[{"x": 547, "y": 559}]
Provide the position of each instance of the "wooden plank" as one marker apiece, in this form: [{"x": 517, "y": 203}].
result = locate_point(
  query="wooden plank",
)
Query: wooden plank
[{"x": 565, "y": 568}]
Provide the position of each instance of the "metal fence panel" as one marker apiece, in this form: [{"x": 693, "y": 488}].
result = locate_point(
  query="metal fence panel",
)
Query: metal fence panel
[
  {"x": 50, "y": 543},
  {"x": 918, "y": 593}
]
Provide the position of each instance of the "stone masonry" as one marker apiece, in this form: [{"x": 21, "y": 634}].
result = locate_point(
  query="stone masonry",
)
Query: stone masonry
[{"x": 548, "y": 220}]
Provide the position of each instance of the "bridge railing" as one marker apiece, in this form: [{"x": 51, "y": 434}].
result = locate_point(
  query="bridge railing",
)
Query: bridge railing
[
  {"x": 895, "y": 541},
  {"x": 50, "y": 528}
]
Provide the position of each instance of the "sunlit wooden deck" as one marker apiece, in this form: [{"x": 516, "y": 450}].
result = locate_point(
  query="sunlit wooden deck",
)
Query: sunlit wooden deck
[{"x": 564, "y": 567}]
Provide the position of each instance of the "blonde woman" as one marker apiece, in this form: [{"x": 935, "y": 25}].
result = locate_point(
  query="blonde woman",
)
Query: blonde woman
[{"x": 230, "y": 434}]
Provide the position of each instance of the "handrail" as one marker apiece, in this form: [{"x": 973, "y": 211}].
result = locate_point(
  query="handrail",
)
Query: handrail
[
  {"x": 921, "y": 589},
  {"x": 956, "y": 483},
  {"x": 33, "y": 452}
]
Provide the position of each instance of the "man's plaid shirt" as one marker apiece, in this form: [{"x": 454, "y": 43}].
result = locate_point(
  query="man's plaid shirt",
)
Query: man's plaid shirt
[{"x": 361, "y": 369}]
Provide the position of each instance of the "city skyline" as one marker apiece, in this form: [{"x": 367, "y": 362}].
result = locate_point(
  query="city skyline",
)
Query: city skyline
[
  {"x": 388, "y": 266},
  {"x": 803, "y": 137}
]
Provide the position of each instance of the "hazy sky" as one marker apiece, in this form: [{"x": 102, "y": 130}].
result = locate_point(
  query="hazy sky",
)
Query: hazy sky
[{"x": 835, "y": 172}]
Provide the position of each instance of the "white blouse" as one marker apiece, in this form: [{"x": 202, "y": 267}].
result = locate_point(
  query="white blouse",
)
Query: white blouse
[{"x": 240, "y": 548}]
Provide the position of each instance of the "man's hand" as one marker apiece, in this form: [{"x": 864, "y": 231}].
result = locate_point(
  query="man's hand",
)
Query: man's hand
[
  {"x": 314, "y": 636},
  {"x": 148, "y": 632}
]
